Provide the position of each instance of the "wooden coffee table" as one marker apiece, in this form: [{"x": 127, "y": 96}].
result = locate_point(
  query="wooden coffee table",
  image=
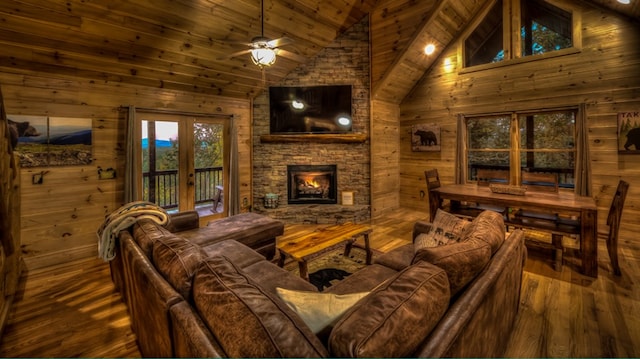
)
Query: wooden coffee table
[{"x": 309, "y": 246}]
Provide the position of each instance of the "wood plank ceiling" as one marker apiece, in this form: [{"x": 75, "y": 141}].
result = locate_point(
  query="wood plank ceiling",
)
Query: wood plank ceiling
[{"x": 178, "y": 44}]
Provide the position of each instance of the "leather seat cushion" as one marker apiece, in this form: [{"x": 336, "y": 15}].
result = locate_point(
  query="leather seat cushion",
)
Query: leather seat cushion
[
  {"x": 245, "y": 319},
  {"x": 398, "y": 259},
  {"x": 393, "y": 319}
]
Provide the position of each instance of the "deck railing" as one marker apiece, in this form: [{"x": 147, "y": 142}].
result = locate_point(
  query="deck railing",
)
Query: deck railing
[{"x": 162, "y": 187}]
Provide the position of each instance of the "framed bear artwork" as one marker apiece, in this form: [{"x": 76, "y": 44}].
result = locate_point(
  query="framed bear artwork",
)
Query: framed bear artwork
[
  {"x": 425, "y": 138},
  {"x": 629, "y": 132}
]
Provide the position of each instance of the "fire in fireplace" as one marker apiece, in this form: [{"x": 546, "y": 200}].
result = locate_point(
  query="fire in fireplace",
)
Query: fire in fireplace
[{"x": 312, "y": 184}]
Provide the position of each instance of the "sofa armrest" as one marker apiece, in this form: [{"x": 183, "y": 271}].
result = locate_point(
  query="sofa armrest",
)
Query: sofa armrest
[
  {"x": 479, "y": 322},
  {"x": 420, "y": 227},
  {"x": 183, "y": 221},
  {"x": 191, "y": 337}
]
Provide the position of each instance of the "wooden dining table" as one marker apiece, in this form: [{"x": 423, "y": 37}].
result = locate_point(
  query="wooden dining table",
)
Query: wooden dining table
[{"x": 581, "y": 210}]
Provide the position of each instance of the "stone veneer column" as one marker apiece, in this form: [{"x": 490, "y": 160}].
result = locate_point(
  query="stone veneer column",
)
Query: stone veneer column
[{"x": 346, "y": 61}]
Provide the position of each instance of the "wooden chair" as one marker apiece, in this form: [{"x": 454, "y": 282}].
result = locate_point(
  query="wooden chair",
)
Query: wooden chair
[
  {"x": 487, "y": 176},
  {"x": 613, "y": 221},
  {"x": 538, "y": 181},
  {"x": 463, "y": 211}
]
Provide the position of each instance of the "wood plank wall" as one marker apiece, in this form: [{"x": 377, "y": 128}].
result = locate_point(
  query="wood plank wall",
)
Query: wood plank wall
[
  {"x": 385, "y": 157},
  {"x": 605, "y": 75},
  {"x": 60, "y": 216}
]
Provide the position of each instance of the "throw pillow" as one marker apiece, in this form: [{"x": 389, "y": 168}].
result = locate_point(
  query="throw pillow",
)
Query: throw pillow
[
  {"x": 319, "y": 310},
  {"x": 177, "y": 260},
  {"x": 394, "y": 318},
  {"x": 462, "y": 261},
  {"x": 248, "y": 321},
  {"x": 488, "y": 226},
  {"x": 446, "y": 228}
]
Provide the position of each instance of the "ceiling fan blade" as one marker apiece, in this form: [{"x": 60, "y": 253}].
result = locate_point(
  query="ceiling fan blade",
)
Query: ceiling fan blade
[
  {"x": 237, "y": 53},
  {"x": 280, "y": 42},
  {"x": 292, "y": 56}
]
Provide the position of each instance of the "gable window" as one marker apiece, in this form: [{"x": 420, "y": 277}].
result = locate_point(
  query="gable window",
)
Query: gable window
[
  {"x": 544, "y": 28},
  {"x": 540, "y": 28},
  {"x": 485, "y": 44},
  {"x": 515, "y": 142}
]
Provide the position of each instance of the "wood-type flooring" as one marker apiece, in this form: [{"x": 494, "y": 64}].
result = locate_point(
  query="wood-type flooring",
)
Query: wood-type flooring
[{"x": 72, "y": 310}]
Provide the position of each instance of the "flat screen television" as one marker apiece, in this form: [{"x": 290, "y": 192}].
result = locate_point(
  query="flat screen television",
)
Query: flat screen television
[{"x": 310, "y": 109}]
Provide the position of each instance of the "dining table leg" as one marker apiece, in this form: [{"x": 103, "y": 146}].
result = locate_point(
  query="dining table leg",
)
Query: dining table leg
[{"x": 589, "y": 243}]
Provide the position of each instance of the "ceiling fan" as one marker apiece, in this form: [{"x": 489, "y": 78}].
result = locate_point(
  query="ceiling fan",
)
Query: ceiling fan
[{"x": 264, "y": 51}]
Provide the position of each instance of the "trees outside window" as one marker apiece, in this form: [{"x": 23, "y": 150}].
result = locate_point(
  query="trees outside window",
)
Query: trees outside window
[
  {"x": 544, "y": 28},
  {"x": 533, "y": 142}
]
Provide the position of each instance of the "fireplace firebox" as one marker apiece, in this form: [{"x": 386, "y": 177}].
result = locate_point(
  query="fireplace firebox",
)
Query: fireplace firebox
[{"x": 313, "y": 184}]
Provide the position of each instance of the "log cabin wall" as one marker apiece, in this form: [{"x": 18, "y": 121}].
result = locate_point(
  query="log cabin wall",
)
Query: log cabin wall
[
  {"x": 605, "y": 75},
  {"x": 60, "y": 216}
]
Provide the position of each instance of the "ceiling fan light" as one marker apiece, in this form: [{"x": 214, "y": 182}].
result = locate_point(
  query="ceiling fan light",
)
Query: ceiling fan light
[{"x": 263, "y": 56}]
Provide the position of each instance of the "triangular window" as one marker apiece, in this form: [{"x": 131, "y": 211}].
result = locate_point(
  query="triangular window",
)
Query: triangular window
[{"x": 544, "y": 28}]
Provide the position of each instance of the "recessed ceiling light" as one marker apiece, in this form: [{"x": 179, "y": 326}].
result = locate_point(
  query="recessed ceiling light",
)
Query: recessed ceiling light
[
  {"x": 429, "y": 49},
  {"x": 624, "y": 1}
]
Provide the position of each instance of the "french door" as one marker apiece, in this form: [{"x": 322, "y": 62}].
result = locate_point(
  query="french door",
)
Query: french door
[{"x": 184, "y": 161}]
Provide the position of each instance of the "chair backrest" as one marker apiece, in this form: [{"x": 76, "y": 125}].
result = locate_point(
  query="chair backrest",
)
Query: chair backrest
[
  {"x": 432, "y": 178},
  {"x": 539, "y": 181},
  {"x": 487, "y": 176},
  {"x": 615, "y": 212}
]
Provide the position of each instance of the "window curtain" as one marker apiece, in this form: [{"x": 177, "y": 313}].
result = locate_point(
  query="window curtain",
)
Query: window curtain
[
  {"x": 460, "y": 160},
  {"x": 234, "y": 180},
  {"x": 130, "y": 172},
  {"x": 583, "y": 159}
]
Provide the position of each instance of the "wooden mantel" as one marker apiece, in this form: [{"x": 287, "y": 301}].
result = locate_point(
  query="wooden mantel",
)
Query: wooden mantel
[{"x": 314, "y": 137}]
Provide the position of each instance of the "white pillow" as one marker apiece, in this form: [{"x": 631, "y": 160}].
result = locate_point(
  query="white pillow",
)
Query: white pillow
[
  {"x": 319, "y": 310},
  {"x": 446, "y": 228}
]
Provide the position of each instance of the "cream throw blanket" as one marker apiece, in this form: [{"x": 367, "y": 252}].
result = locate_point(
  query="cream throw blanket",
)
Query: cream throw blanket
[{"x": 123, "y": 218}]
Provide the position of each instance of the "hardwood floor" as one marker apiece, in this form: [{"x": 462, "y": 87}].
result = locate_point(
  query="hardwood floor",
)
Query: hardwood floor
[{"x": 73, "y": 311}]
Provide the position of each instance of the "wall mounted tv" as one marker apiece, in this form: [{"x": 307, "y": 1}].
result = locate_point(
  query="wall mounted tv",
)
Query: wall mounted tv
[{"x": 310, "y": 109}]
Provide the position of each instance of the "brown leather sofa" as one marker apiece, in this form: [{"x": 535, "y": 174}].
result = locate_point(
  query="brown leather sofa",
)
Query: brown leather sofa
[{"x": 221, "y": 299}]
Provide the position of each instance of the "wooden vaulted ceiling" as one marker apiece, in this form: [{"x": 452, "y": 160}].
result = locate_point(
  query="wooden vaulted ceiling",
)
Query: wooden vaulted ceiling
[{"x": 178, "y": 44}]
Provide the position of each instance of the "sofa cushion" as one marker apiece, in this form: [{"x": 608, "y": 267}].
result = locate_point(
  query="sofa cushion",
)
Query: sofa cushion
[
  {"x": 446, "y": 228},
  {"x": 398, "y": 259},
  {"x": 270, "y": 277},
  {"x": 364, "y": 280},
  {"x": 488, "y": 226},
  {"x": 319, "y": 310},
  {"x": 177, "y": 260},
  {"x": 241, "y": 255},
  {"x": 246, "y": 320},
  {"x": 462, "y": 261},
  {"x": 393, "y": 319},
  {"x": 146, "y": 232}
]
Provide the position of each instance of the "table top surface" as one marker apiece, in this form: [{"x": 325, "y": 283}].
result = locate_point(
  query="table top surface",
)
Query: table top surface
[
  {"x": 562, "y": 199},
  {"x": 308, "y": 245}
]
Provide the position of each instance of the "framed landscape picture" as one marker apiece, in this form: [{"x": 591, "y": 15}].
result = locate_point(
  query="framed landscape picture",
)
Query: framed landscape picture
[
  {"x": 425, "y": 137},
  {"x": 629, "y": 132},
  {"x": 52, "y": 141}
]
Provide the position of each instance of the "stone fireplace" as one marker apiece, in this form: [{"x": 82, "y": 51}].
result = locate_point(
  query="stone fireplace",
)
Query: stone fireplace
[
  {"x": 312, "y": 184},
  {"x": 346, "y": 62}
]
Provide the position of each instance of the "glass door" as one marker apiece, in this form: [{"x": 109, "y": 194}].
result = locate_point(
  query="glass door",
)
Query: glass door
[{"x": 184, "y": 163}]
